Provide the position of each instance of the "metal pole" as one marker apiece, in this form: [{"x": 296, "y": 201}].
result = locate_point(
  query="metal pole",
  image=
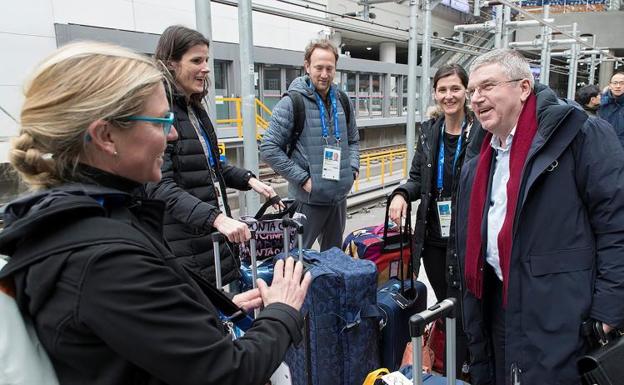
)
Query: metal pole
[
  {"x": 425, "y": 63},
  {"x": 545, "y": 59},
  {"x": 573, "y": 65},
  {"x": 498, "y": 34},
  {"x": 412, "y": 56},
  {"x": 203, "y": 21},
  {"x": 245, "y": 32},
  {"x": 592, "y": 69},
  {"x": 505, "y": 28}
]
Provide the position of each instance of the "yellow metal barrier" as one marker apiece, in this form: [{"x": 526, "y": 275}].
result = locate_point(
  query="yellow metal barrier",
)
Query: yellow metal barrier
[
  {"x": 383, "y": 157},
  {"x": 261, "y": 122}
]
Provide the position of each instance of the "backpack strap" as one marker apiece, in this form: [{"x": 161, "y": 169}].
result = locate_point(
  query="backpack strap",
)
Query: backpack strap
[
  {"x": 299, "y": 119},
  {"x": 346, "y": 105}
]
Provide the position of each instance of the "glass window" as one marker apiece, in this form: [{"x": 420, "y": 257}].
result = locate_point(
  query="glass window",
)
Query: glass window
[
  {"x": 271, "y": 90},
  {"x": 351, "y": 88},
  {"x": 394, "y": 95},
  {"x": 292, "y": 74},
  {"x": 404, "y": 109},
  {"x": 376, "y": 96},
  {"x": 221, "y": 89},
  {"x": 364, "y": 95}
]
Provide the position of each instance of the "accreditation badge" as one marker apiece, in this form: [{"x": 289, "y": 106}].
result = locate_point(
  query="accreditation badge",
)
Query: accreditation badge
[
  {"x": 444, "y": 215},
  {"x": 331, "y": 163}
]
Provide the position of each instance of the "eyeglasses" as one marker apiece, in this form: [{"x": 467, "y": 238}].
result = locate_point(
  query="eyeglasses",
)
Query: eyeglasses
[
  {"x": 620, "y": 83},
  {"x": 166, "y": 122},
  {"x": 487, "y": 87}
]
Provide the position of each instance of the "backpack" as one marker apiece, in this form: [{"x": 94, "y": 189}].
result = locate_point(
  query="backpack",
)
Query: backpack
[
  {"x": 24, "y": 360},
  {"x": 299, "y": 114}
]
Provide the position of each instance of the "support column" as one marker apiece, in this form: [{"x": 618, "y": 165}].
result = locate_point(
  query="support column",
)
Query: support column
[
  {"x": 545, "y": 58},
  {"x": 248, "y": 95},
  {"x": 498, "y": 34},
  {"x": 203, "y": 22},
  {"x": 336, "y": 38},
  {"x": 425, "y": 63},
  {"x": 412, "y": 57},
  {"x": 573, "y": 64},
  {"x": 505, "y": 29},
  {"x": 387, "y": 54}
]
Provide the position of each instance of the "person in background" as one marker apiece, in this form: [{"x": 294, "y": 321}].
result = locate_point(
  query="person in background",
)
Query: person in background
[
  {"x": 589, "y": 98},
  {"x": 446, "y": 141},
  {"x": 110, "y": 303},
  {"x": 540, "y": 228},
  {"x": 194, "y": 178},
  {"x": 612, "y": 105},
  {"x": 325, "y": 159}
]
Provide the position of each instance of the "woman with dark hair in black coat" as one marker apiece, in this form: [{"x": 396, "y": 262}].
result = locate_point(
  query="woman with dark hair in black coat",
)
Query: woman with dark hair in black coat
[
  {"x": 194, "y": 179},
  {"x": 446, "y": 141}
]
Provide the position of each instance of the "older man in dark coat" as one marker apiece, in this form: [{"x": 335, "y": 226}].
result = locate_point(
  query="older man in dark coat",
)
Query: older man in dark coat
[{"x": 540, "y": 228}]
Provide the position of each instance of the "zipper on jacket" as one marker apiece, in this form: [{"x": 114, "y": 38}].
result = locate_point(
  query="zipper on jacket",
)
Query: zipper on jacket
[{"x": 516, "y": 373}]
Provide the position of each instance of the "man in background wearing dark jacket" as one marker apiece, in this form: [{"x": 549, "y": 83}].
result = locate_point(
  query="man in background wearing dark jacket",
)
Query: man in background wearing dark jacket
[
  {"x": 589, "y": 98},
  {"x": 612, "y": 105},
  {"x": 326, "y": 157},
  {"x": 540, "y": 228}
]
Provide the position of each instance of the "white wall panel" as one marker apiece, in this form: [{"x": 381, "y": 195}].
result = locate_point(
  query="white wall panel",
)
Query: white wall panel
[
  {"x": 155, "y": 18},
  {"x": 31, "y": 17},
  {"x": 110, "y": 13},
  {"x": 21, "y": 53}
]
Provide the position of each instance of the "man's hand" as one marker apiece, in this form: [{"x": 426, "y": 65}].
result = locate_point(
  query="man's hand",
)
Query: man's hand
[
  {"x": 287, "y": 286},
  {"x": 606, "y": 328},
  {"x": 307, "y": 186},
  {"x": 266, "y": 191},
  {"x": 248, "y": 300},
  {"x": 235, "y": 231},
  {"x": 398, "y": 209}
]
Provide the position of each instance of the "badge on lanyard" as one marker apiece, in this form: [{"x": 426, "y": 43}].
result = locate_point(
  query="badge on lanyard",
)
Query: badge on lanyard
[
  {"x": 217, "y": 186},
  {"x": 331, "y": 163},
  {"x": 444, "y": 215}
]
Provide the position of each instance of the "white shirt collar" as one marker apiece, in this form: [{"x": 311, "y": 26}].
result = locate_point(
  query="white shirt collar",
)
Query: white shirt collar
[{"x": 494, "y": 142}]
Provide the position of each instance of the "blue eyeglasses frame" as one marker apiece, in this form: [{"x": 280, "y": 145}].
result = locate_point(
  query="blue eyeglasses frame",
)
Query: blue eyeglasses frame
[{"x": 166, "y": 122}]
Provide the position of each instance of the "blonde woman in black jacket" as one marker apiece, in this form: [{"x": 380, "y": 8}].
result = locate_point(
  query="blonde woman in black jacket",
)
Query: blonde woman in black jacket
[{"x": 110, "y": 303}]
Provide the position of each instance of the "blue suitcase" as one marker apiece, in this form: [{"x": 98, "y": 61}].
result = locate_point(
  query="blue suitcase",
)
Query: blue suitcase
[
  {"x": 398, "y": 301},
  {"x": 396, "y": 310},
  {"x": 341, "y": 317}
]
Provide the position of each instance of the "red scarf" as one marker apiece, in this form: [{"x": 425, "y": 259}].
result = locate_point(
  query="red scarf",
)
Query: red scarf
[{"x": 475, "y": 250}]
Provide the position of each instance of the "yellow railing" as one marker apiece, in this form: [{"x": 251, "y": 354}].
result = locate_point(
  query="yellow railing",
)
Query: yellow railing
[
  {"x": 381, "y": 157},
  {"x": 261, "y": 122}
]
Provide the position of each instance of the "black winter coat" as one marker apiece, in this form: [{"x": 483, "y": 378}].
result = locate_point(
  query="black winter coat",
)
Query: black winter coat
[
  {"x": 187, "y": 189},
  {"x": 567, "y": 258},
  {"x": 111, "y": 304},
  {"x": 421, "y": 185}
]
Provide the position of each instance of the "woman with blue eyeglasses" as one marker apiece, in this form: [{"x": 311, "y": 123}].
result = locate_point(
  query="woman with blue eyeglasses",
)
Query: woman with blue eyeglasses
[
  {"x": 87, "y": 260},
  {"x": 194, "y": 179}
]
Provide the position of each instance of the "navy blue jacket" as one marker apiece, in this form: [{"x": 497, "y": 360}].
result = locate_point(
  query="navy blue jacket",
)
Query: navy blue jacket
[
  {"x": 567, "y": 259},
  {"x": 612, "y": 110}
]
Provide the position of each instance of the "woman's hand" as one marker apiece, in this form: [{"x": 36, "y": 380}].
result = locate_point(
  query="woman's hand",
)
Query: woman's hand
[
  {"x": 235, "y": 231},
  {"x": 249, "y": 300},
  {"x": 287, "y": 286},
  {"x": 266, "y": 191},
  {"x": 398, "y": 209}
]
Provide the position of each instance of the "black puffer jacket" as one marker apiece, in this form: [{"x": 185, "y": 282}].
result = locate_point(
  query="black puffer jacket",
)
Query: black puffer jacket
[
  {"x": 111, "y": 304},
  {"x": 421, "y": 185},
  {"x": 187, "y": 189}
]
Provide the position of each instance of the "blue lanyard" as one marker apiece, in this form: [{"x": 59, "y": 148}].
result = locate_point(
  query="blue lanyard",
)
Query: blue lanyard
[
  {"x": 207, "y": 140},
  {"x": 440, "y": 183},
  {"x": 321, "y": 106}
]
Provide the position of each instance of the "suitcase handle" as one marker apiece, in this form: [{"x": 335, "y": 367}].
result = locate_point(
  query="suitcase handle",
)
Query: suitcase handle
[
  {"x": 446, "y": 308},
  {"x": 288, "y": 223}
]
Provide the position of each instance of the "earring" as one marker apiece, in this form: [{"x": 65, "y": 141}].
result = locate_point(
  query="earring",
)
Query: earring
[{"x": 115, "y": 153}]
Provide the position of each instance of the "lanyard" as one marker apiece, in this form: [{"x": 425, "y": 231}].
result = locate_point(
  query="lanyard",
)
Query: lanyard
[
  {"x": 440, "y": 180},
  {"x": 321, "y": 106},
  {"x": 207, "y": 141}
]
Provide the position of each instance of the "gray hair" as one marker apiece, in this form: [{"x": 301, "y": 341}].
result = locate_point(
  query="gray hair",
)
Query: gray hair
[{"x": 513, "y": 63}]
